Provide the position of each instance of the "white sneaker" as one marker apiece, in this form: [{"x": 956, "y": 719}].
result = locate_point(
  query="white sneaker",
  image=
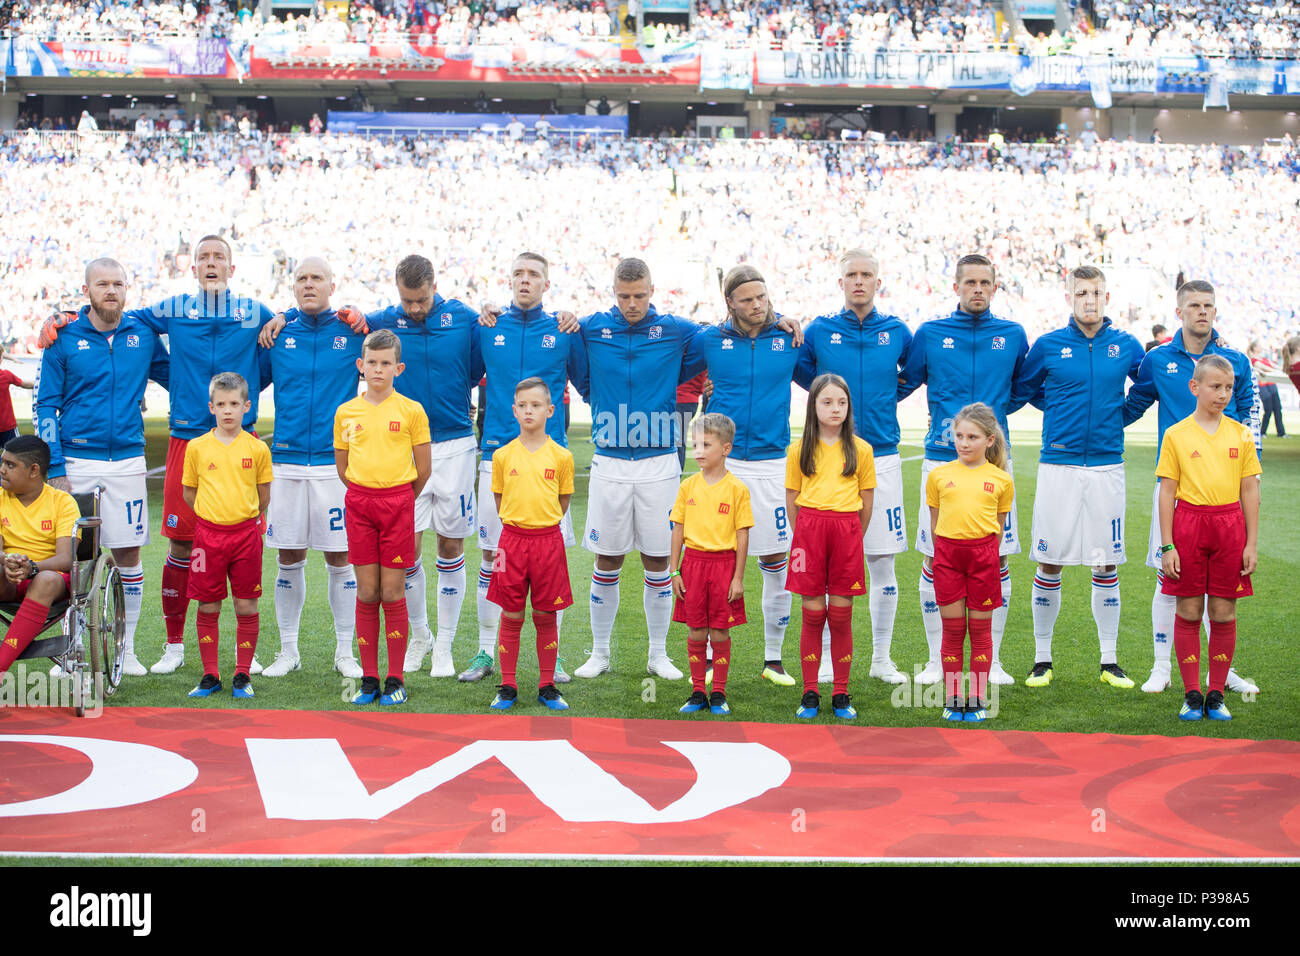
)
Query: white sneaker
[
  {"x": 348, "y": 666},
  {"x": 932, "y": 674},
  {"x": 997, "y": 675},
  {"x": 661, "y": 666},
  {"x": 826, "y": 672},
  {"x": 596, "y": 665},
  {"x": 416, "y": 649},
  {"x": 255, "y": 667},
  {"x": 887, "y": 672},
  {"x": 1159, "y": 679},
  {"x": 1240, "y": 685},
  {"x": 58, "y": 673},
  {"x": 443, "y": 665},
  {"x": 173, "y": 659},
  {"x": 284, "y": 663},
  {"x": 131, "y": 666}
]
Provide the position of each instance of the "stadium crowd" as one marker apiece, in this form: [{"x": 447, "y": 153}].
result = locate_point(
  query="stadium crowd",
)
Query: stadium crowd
[
  {"x": 1238, "y": 27},
  {"x": 1148, "y": 212}
]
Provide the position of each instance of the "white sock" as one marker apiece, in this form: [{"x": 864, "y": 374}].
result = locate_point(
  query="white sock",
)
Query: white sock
[
  {"x": 451, "y": 596},
  {"x": 343, "y": 605},
  {"x": 604, "y": 608},
  {"x": 883, "y": 603},
  {"x": 417, "y": 607},
  {"x": 930, "y": 614},
  {"x": 290, "y": 596},
  {"x": 1046, "y": 608},
  {"x": 657, "y": 599},
  {"x": 1105, "y": 611},
  {"x": 776, "y": 608},
  {"x": 1163, "y": 608},
  {"x": 132, "y": 598},
  {"x": 826, "y": 641},
  {"x": 489, "y": 614},
  {"x": 1000, "y": 616}
]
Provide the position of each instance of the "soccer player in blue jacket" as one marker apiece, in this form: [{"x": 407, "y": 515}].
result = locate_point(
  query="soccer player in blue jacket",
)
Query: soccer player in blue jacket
[
  {"x": 1164, "y": 377},
  {"x": 88, "y": 392},
  {"x": 969, "y": 356},
  {"x": 524, "y": 341},
  {"x": 313, "y": 367},
  {"x": 867, "y": 348},
  {"x": 1076, "y": 375}
]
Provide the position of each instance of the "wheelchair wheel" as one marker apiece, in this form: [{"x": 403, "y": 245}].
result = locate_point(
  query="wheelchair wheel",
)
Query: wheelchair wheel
[{"x": 106, "y": 622}]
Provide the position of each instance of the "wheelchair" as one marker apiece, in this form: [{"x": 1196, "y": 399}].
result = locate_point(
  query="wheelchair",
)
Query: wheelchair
[{"x": 91, "y": 642}]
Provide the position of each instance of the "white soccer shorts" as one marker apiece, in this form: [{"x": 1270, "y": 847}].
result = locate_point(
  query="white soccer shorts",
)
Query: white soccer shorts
[
  {"x": 1079, "y": 515},
  {"x": 887, "y": 530},
  {"x": 124, "y": 503},
  {"x": 489, "y": 525},
  {"x": 766, "y": 483},
  {"x": 1010, "y": 543},
  {"x": 629, "y": 504},
  {"x": 306, "y": 510},
  {"x": 447, "y": 502}
]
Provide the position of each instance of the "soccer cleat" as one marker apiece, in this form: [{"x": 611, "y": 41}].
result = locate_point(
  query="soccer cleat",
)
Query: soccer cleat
[
  {"x": 505, "y": 698},
  {"x": 210, "y": 685},
  {"x": 442, "y": 665},
  {"x": 774, "y": 672},
  {"x": 975, "y": 713},
  {"x": 954, "y": 712},
  {"x": 284, "y": 663},
  {"x": 242, "y": 686},
  {"x": 394, "y": 692},
  {"x": 480, "y": 666},
  {"x": 696, "y": 702},
  {"x": 1159, "y": 679},
  {"x": 173, "y": 658},
  {"x": 369, "y": 692},
  {"x": 255, "y": 667},
  {"x": 842, "y": 708},
  {"x": 596, "y": 665},
  {"x": 550, "y": 697},
  {"x": 809, "y": 705},
  {"x": 419, "y": 646},
  {"x": 708, "y": 673},
  {"x": 560, "y": 676},
  {"x": 131, "y": 666},
  {"x": 887, "y": 672},
  {"x": 347, "y": 666},
  {"x": 1193, "y": 706},
  {"x": 932, "y": 674},
  {"x": 1214, "y": 706},
  {"x": 1240, "y": 685},
  {"x": 998, "y": 674},
  {"x": 661, "y": 666},
  {"x": 58, "y": 673},
  {"x": 1041, "y": 675},
  {"x": 718, "y": 703},
  {"x": 826, "y": 671},
  {"x": 1113, "y": 675}
]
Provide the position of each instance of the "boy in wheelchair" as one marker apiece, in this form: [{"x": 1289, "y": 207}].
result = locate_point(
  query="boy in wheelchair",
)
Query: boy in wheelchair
[{"x": 37, "y": 525}]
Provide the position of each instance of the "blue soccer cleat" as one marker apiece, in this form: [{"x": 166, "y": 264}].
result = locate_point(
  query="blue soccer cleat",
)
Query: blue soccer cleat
[
  {"x": 975, "y": 713},
  {"x": 394, "y": 692},
  {"x": 954, "y": 710},
  {"x": 242, "y": 687},
  {"x": 718, "y": 704},
  {"x": 1214, "y": 706},
  {"x": 695, "y": 703},
  {"x": 550, "y": 697},
  {"x": 369, "y": 692},
  {"x": 842, "y": 708},
  {"x": 809, "y": 705},
  {"x": 210, "y": 685},
  {"x": 505, "y": 698},
  {"x": 1193, "y": 706}
]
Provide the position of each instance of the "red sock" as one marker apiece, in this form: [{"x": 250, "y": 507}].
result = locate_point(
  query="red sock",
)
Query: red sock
[
  {"x": 397, "y": 627},
  {"x": 508, "y": 648},
  {"x": 368, "y": 638},
  {"x": 721, "y": 662},
  {"x": 841, "y": 619},
  {"x": 953, "y": 651},
  {"x": 27, "y": 624},
  {"x": 1223, "y": 644},
  {"x": 695, "y": 651},
  {"x": 810, "y": 646},
  {"x": 246, "y": 626},
  {"x": 548, "y": 646},
  {"x": 981, "y": 657},
  {"x": 1187, "y": 648},
  {"x": 207, "y": 631},
  {"x": 175, "y": 597}
]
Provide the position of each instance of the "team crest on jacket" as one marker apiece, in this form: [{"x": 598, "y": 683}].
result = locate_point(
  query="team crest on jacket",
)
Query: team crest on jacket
[
  {"x": 1112, "y": 350},
  {"x": 882, "y": 338},
  {"x": 239, "y": 314},
  {"x": 340, "y": 343},
  {"x": 445, "y": 320},
  {"x": 548, "y": 341},
  {"x": 999, "y": 342},
  {"x": 778, "y": 345},
  {"x": 656, "y": 331},
  {"x": 133, "y": 341}
]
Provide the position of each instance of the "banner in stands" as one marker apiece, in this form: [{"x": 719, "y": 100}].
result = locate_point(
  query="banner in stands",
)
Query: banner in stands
[
  {"x": 27, "y": 56},
  {"x": 562, "y": 124},
  {"x": 724, "y": 69}
]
